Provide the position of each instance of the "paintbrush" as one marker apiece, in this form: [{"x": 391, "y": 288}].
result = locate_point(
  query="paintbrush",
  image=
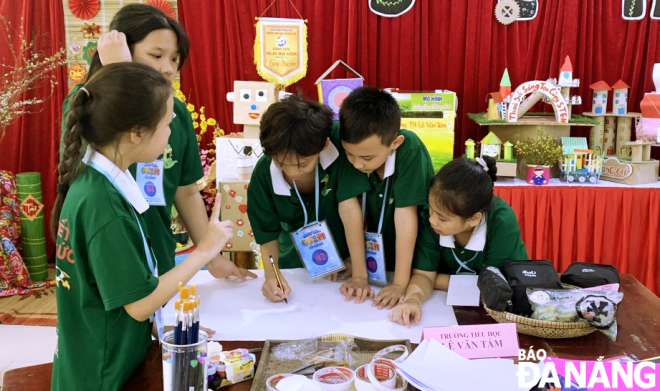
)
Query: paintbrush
[{"x": 277, "y": 276}]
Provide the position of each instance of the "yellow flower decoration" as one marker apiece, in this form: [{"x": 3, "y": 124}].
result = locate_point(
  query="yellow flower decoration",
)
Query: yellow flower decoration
[
  {"x": 195, "y": 116},
  {"x": 202, "y": 117},
  {"x": 195, "y": 124},
  {"x": 191, "y": 108},
  {"x": 201, "y": 110},
  {"x": 176, "y": 85},
  {"x": 211, "y": 121},
  {"x": 204, "y": 125}
]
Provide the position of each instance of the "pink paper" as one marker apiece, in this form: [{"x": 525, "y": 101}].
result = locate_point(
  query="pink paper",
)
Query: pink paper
[{"x": 477, "y": 341}]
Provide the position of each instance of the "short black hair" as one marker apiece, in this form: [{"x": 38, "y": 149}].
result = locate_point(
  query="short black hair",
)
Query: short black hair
[
  {"x": 137, "y": 21},
  {"x": 368, "y": 111},
  {"x": 463, "y": 187},
  {"x": 295, "y": 125}
]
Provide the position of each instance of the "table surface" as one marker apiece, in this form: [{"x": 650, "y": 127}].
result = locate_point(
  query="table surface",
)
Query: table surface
[{"x": 638, "y": 319}]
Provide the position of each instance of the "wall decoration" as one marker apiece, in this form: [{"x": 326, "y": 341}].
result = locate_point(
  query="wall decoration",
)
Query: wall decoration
[
  {"x": 164, "y": 6},
  {"x": 280, "y": 50},
  {"x": 84, "y": 9},
  {"x": 89, "y": 50},
  {"x": 507, "y": 11},
  {"x": 527, "y": 9},
  {"x": 332, "y": 92},
  {"x": 77, "y": 73},
  {"x": 390, "y": 8},
  {"x": 633, "y": 9}
]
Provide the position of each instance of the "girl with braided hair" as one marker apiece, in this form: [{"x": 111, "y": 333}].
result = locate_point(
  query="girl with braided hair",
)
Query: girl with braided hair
[{"x": 110, "y": 287}]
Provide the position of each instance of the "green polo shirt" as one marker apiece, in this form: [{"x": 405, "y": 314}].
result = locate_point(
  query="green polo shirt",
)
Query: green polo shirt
[
  {"x": 410, "y": 172},
  {"x": 101, "y": 267},
  {"x": 502, "y": 243},
  {"x": 275, "y": 211},
  {"x": 182, "y": 167}
]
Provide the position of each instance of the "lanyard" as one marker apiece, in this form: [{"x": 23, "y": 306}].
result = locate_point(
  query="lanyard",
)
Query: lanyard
[
  {"x": 464, "y": 265},
  {"x": 147, "y": 249},
  {"x": 316, "y": 196},
  {"x": 382, "y": 210}
]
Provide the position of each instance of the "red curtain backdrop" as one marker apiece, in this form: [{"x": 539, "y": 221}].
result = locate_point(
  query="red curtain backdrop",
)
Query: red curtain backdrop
[
  {"x": 32, "y": 142},
  {"x": 441, "y": 44},
  {"x": 616, "y": 226}
]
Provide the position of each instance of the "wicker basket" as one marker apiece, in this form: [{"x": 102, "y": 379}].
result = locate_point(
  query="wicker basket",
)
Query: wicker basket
[{"x": 542, "y": 328}]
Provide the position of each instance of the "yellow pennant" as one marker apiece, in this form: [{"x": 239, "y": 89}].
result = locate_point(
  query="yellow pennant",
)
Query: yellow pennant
[{"x": 280, "y": 50}]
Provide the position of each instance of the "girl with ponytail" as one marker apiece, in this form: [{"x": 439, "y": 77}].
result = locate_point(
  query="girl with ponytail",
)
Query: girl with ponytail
[
  {"x": 465, "y": 230},
  {"x": 108, "y": 285}
]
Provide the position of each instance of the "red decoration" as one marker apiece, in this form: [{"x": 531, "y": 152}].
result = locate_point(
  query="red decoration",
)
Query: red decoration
[
  {"x": 30, "y": 207},
  {"x": 164, "y": 6},
  {"x": 242, "y": 208},
  {"x": 84, "y": 9}
]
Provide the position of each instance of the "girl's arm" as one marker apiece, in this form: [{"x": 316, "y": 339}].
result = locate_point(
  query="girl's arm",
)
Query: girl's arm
[{"x": 216, "y": 236}]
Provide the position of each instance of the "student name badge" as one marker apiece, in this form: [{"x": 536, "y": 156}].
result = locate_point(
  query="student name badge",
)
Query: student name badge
[
  {"x": 317, "y": 249},
  {"x": 150, "y": 180},
  {"x": 375, "y": 258}
]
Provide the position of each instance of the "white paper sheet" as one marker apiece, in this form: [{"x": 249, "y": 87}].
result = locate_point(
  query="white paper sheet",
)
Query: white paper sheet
[
  {"x": 238, "y": 311},
  {"x": 463, "y": 291},
  {"x": 435, "y": 367}
]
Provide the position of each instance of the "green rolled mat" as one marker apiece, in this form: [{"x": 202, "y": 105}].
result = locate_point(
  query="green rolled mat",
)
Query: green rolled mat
[{"x": 33, "y": 226}]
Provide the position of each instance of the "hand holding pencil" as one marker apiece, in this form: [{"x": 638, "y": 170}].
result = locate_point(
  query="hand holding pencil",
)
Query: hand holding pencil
[{"x": 276, "y": 288}]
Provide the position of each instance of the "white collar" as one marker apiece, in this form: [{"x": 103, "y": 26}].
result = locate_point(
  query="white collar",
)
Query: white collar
[
  {"x": 390, "y": 164},
  {"x": 477, "y": 241},
  {"x": 280, "y": 185},
  {"x": 123, "y": 181}
]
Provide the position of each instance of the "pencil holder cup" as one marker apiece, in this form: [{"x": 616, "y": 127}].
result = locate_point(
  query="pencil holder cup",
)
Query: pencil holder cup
[{"x": 184, "y": 366}]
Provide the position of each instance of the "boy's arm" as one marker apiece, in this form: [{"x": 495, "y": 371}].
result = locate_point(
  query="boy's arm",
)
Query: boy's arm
[
  {"x": 351, "y": 216},
  {"x": 405, "y": 223}
]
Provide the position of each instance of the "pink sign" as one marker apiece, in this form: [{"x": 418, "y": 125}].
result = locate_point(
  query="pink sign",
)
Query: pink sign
[{"x": 478, "y": 341}]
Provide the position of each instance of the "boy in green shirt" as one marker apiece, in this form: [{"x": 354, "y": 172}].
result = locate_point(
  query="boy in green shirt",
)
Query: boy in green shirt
[
  {"x": 399, "y": 171},
  {"x": 296, "y": 139},
  {"x": 465, "y": 229}
]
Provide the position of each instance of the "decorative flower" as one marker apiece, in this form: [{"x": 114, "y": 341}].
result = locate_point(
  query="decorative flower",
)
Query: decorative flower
[
  {"x": 232, "y": 193},
  {"x": 202, "y": 117},
  {"x": 228, "y": 207},
  {"x": 190, "y": 107},
  {"x": 90, "y": 31},
  {"x": 251, "y": 234},
  {"x": 195, "y": 116},
  {"x": 89, "y": 51},
  {"x": 240, "y": 234},
  {"x": 226, "y": 188},
  {"x": 75, "y": 49},
  {"x": 239, "y": 199},
  {"x": 195, "y": 124},
  {"x": 240, "y": 222},
  {"x": 176, "y": 85},
  {"x": 229, "y": 246},
  {"x": 211, "y": 121},
  {"x": 203, "y": 125}
]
